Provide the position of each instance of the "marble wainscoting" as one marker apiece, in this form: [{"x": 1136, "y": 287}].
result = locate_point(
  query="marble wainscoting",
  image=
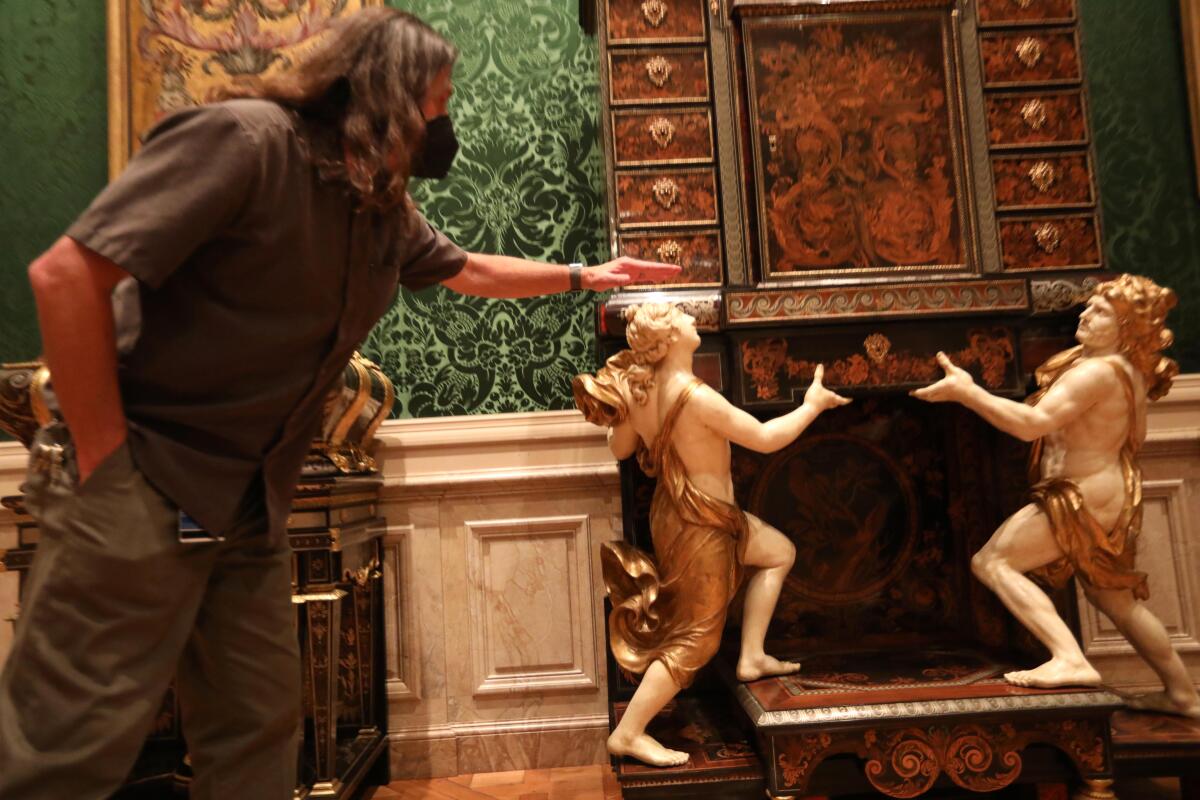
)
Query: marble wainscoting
[
  {"x": 1169, "y": 548},
  {"x": 495, "y": 628}
]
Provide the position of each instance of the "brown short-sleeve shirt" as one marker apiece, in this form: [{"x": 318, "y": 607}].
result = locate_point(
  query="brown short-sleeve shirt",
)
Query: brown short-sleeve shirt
[{"x": 257, "y": 281}]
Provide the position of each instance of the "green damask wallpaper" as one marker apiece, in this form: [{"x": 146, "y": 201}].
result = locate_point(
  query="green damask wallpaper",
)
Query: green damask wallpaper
[
  {"x": 528, "y": 181},
  {"x": 53, "y": 142},
  {"x": 1134, "y": 58}
]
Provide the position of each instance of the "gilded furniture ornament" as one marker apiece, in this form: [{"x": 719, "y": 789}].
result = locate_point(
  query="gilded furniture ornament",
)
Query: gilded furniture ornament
[
  {"x": 1048, "y": 237},
  {"x": 1034, "y": 114},
  {"x": 670, "y": 251},
  {"x": 662, "y": 132},
  {"x": 1029, "y": 52},
  {"x": 1095, "y": 789},
  {"x": 353, "y": 413},
  {"x": 1025, "y": 3},
  {"x": 1043, "y": 175},
  {"x": 655, "y": 11},
  {"x": 658, "y": 69},
  {"x": 22, "y": 403},
  {"x": 1060, "y": 295},
  {"x": 715, "y": 7},
  {"x": 666, "y": 192},
  {"x": 877, "y": 346}
]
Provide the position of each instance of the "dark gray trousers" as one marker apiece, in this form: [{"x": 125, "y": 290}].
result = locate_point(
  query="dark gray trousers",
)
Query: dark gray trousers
[{"x": 113, "y": 607}]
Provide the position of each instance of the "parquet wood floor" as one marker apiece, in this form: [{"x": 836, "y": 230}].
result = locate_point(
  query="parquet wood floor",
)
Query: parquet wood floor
[{"x": 565, "y": 783}]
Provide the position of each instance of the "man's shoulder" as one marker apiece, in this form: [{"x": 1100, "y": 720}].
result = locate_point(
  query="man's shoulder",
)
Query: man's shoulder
[{"x": 259, "y": 118}]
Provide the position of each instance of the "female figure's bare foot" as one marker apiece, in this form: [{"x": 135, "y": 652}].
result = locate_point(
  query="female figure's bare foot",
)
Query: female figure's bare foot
[
  {"x": 1054, "y": 673},
  {"x": 1163, "y": 702},
  {"x": 751, "y": 668},
  {"x": 646, "y": 749}
]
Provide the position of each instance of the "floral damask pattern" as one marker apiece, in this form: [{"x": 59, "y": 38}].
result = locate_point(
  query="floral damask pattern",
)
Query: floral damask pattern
[{"x": 526, "y": 183}]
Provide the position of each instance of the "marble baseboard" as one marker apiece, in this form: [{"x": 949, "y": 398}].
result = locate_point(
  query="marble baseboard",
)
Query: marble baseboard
[{"x": 432, "y": 754}]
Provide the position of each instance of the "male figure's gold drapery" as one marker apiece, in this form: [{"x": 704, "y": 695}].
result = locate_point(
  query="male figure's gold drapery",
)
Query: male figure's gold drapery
[
  {"x": 1103, "y": 558},
  {"x": 674, "y": 610}
]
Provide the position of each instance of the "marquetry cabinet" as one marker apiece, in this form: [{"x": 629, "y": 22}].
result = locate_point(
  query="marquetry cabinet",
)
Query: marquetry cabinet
[{"x": 860, "y": 184}]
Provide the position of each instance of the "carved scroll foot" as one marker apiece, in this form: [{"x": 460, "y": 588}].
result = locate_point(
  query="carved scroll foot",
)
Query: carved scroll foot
[{"x": 1095, "y": 789}]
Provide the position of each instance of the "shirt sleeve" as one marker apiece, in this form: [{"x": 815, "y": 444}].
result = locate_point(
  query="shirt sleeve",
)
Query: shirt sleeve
[
  {"x": 187, "y": 185},
  {"x": 429, "y": 257}
]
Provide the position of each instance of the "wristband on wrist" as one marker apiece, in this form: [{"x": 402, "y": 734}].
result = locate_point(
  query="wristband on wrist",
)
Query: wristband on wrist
[{"x": 575, "y": 273}]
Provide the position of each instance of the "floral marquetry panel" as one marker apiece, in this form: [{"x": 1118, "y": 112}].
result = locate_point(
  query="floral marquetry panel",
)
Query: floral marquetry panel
[
  {"x": 778, "y": 369},
  {"x": 666, "y": 198},
  {"x": 1019, "y": 120},
  {"x": 1007, "y": 12},
  {"x": 650, "y": 137},
  {"x": 170, "y": 54},
  {"x": 1041, "y": 181},
  {"x": 1030, "y": 57},
  {"x": 1050, "y": 243},
  {"x": 656, "y": 20},
  {"x": 659, "y": 75},
  {"x": 697, "y": 253},
  {"x": 857, "y": 143}
]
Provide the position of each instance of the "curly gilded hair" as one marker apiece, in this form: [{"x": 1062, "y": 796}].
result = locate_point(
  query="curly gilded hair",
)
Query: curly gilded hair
[
  {"x": 1141, "y": 306},
  {"x": 361, "y": 89},
  {"x": 649, "y": 330}
]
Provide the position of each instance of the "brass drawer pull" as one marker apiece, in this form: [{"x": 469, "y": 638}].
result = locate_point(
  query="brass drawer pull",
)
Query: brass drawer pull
[
  {"x": 662, "y": 132},
  {"x": 655, "y": 11},
  {"x": 1048, "y": 237},
  {"x": 1029, "y": 52},
  {"x": 1043, "y": 175},
  {"x": 666, "y": 192},
  {"x": 670, "y": 251},
  {"x": 658, "y": 70},
  {"x": 1024, "y": 4},
  {"x": 1034, "y": 114}
]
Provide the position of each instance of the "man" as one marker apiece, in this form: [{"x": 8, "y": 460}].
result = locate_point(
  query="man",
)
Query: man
[
  {"x": 1089, "y": 421},
  {"x": 266, "y": 237}
]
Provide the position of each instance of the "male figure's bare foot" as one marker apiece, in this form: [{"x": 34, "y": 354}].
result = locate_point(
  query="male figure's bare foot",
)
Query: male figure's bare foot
[
  {"x": 751, "y": 668},
  {"x": 1163, "y": 702},
  {"x": 1055, "y": 673},
  {"x": 646, "y": 749}
]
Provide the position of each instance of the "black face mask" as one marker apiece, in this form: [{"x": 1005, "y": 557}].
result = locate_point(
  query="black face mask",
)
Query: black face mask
[{"x": 441, "y": 146}]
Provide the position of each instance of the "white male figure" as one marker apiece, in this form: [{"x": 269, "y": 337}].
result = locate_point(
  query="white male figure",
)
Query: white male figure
[{"x": 1088, "y": 420}]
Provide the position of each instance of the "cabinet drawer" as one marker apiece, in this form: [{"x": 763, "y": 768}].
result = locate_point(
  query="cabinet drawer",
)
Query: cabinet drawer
[
  {"x": 1009, "y": 12},
  {"x": 1019, "y": 120},
  {"x": 1043, "y": 181},
  {"x": 654, "y": 198},
  {"x": 697, "y": 252},
  {"x": 654, "y": 137},
  {"x": 1030, "y": 57},
  {"x": 1036, "y": 243},
  {"x": 656, "y": 21},
  {"x": 657, "y": 75}
]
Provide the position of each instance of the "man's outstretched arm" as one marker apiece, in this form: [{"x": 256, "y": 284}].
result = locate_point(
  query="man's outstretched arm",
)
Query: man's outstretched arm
[
  {"x": 73, "y": 289},
  {"x": 504, "y": 277}
]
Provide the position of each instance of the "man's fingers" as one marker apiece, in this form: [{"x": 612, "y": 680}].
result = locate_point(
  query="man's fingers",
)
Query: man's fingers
[
  {"x": 945, "y": 362},
  {"x": 819, "y": 374},
  {"x": 649, "y": 269}
]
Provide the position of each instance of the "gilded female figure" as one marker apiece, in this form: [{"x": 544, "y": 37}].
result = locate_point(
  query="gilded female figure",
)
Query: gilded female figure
[{"x": 669, "y": 612}]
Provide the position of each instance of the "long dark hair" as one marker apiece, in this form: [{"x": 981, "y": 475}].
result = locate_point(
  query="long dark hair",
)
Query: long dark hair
[{"x": 364, "y": 84}]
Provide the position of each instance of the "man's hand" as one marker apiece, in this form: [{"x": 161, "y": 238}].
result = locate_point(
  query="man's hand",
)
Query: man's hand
[
  {"x": 954, "y": 388},
  {"x": 820, "y": 398},
  {"x": 624, "y": 271}
]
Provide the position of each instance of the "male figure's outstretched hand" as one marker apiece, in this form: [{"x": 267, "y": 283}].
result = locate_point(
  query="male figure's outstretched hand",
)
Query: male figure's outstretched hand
[
  {"x": 624, "y": 271},
  {"x": 819, "y": 397},
  {"x": 953, "y": 388}
]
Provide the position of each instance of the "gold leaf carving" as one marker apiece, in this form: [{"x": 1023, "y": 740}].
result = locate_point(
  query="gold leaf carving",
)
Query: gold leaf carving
[
  {"x": 658, "y": 69},
  {"x": 1029, "y": 52},
  {"x": 655, "y": 11},
  {"x": 662, "y": 132},
  {"x": 1048, "y": 237},
  {"x": 1034, "y": 114}
]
